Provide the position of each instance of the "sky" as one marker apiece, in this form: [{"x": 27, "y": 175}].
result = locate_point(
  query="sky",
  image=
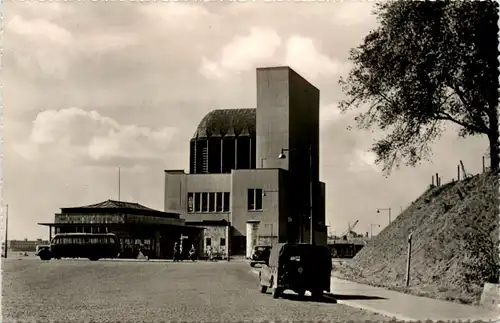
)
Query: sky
[{"x": 91, "y": 86}]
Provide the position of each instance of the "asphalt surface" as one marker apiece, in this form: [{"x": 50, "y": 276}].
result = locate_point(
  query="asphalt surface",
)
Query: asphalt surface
[{"x": 118, "y": 291}]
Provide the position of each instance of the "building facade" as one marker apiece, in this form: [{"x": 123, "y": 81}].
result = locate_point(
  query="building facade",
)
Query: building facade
[
  {"x": 25, "y": 245},
  {"x": 256, "y": 171},
  {"x": 137, "y": 227}
]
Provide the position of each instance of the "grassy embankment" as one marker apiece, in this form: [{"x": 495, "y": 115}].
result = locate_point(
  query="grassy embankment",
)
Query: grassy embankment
[{"x": 454, "y": 246}]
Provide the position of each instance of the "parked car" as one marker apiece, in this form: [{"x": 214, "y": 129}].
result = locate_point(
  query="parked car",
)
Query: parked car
[
  {"x": 297, "y": 267},
  {"x": 260, "y": 255}
]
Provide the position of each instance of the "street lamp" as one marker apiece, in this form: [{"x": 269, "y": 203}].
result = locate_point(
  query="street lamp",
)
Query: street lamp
[
  {"x": 311, "y": 222},
  {"x": 371, "y": 229},
  {"x": 385, "y": 209}
]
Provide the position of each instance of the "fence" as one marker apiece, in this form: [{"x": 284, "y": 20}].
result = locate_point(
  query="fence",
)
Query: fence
[{"x": 461, "y": 174}]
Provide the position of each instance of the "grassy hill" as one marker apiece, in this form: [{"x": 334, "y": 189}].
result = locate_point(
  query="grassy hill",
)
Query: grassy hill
[{"x": 454, "y": 246}]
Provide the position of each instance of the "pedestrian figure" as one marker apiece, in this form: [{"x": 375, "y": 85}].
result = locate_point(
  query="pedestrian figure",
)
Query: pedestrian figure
[
  {"x": 176, "y": 251},
  {"x": 209, "y": 252},
  {"x": 181, "y": 251},
  {"x": 192, "y": 253}
]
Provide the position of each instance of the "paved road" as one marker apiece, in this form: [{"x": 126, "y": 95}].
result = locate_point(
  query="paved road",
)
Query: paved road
[{"x": 112, "y": 291}]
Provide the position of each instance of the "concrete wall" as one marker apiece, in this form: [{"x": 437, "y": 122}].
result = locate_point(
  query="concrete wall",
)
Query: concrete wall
[
  {"x": 266, "y": 179},
  {"x": 288, "y": 117},
  {"x": 178, "y": 185},
  {"x": 175, "y": 191},
  {"x": 303, "y": 125},
  {"x": 272, "y": 116}
]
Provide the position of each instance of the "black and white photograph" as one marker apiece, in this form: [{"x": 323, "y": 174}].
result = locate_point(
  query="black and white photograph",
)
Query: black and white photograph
[{"x": 249, "y": 161}]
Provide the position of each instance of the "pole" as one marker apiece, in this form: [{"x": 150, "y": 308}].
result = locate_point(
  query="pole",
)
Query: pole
[
  {"x": 6, "y": 228},
  {"x": 311, "y": 221},
  {"x": 390, "y": 216},
  {"x": 228, "y": 232},
  {"x": 119, "y": 184},
  {"x": 484, "y": 167},
  {"x": 408, "y": 260}
]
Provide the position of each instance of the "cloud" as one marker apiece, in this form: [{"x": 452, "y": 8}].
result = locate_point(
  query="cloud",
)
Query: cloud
[
  {"x": 38, "y": 29},
  {"x": 109, "y": 42},
  {"x": 176, "y": 15},
  {"x": 261, "y": 47},
  {"x": 243, "y": 53},
  {"x": 362, "y": 161},
  {"x": 90, "y": 136},
  {"x": 354, "y": 13},
  {"x": 303, "y": 55},
  {"x": 328, "y": 113}
]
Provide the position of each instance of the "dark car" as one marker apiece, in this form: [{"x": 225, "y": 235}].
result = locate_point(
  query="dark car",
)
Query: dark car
[
  {"x": 297, "y": 267},
  {"x": 260, "y": 255}
]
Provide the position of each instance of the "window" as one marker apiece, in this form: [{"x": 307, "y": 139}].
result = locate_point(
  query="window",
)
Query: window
[
  {"x": 222, "y": 242},
  {"x": 218, "y": 203},
  {"x": 204, "y": 202},
  {"x": 211, "y": 202},
  {"x": 226, "y": 205},
  {"x": 190, "y": 202},
  {"x": 208, "y": 202},
  {"x": 251, "y": 199},
  {"x": 254, "y": 199},
  {"x": 209, "y": 241},
  {"x": 197, "y": 202}
]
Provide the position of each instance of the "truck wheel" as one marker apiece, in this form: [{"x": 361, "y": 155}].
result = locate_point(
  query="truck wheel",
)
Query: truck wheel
[
  {"x": 263, "y": 289},
  {"x": 277, "y": 292},
  {"x": 252, "y": 264},
  {"x": 45, "y": 255}
]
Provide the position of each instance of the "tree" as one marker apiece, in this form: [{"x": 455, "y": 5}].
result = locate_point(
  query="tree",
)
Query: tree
[{"x": 426, "y": 65}]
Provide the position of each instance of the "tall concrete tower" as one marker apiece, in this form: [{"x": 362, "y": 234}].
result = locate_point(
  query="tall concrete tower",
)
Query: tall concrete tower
[{"x": 288, "y": 118}]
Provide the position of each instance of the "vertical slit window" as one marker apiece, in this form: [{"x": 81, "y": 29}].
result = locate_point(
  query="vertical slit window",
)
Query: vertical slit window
[
  {"x": 204, "y": 202},
  {"x": 197, "y": 202},
  {"x": 218, "y": 202},
  {"x": 211, "y": 202},
  {"x": 226, "y": 202}
]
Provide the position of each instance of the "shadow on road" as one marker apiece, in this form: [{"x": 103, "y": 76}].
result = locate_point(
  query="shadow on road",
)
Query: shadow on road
[
  {"x": 327, "y": 299},
  {"x": 355, "y": 297}
]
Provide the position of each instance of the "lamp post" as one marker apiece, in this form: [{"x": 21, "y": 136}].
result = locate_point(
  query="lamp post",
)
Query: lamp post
[
  {"x": 371, "y": 229},
  {"x": 311, "y": 221},
  {"x": 385, "y": 209}
]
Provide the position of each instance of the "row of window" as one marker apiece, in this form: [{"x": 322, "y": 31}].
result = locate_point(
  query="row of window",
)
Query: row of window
[
  {"x": 84, "y": 240},
  {"x": 209, "y": 202},
  {"x": 222, "y": 242},
  {"x": 220, "y": 201}
]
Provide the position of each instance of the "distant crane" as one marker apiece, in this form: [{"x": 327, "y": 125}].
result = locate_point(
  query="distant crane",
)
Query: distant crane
[{"x": 350, "y": 228}]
